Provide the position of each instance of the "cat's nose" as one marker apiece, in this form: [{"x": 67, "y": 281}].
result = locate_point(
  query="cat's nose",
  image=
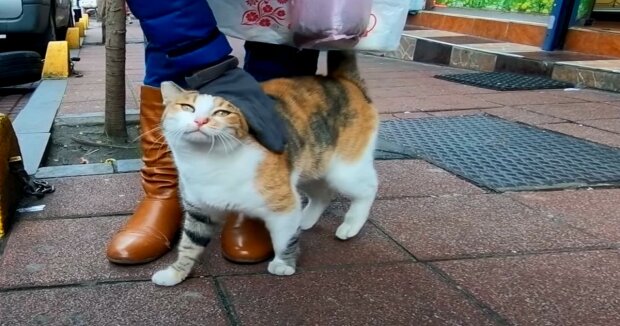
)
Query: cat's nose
[{"x": 201, "y": 121}]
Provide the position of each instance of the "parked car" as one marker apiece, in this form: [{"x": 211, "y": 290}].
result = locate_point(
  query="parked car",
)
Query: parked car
[{"x": 26, "y": 27}]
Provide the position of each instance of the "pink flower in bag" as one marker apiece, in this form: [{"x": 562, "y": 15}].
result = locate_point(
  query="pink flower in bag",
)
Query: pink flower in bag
[{"x": 261, "y": 13}]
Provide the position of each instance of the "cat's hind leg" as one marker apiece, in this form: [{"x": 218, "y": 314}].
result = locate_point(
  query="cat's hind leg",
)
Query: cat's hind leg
[
  {"x": 198, "y": 230},
  {"x": 358, "y": 182},
  {"x": 319, "y": 196},
  {"x": 284, "y": 230}
]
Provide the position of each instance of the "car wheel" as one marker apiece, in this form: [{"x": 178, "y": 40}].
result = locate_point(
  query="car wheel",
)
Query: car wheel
[{"x": 20, "y": 67}]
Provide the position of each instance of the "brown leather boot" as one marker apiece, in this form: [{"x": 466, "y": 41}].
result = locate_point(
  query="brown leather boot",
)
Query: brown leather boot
[
  {"x": 245, "y": 240},
  {"x": 149, "y": 232}
]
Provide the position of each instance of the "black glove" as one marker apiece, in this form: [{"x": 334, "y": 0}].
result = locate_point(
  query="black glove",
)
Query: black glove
[{"x": 234, "y": 84}]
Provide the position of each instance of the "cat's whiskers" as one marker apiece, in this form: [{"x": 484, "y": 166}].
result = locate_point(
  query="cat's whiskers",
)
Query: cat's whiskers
[
  {"x": 219, "y": 136},
  {"x": 172, "y": 137},
  {"x": 158, "y": 142},
  {"x": 212, "y": 144},
  {"x": 232, "y": 138}
]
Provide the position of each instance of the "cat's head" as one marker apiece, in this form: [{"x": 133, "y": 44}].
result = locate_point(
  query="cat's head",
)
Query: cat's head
[{"x": 201, "y": 119}]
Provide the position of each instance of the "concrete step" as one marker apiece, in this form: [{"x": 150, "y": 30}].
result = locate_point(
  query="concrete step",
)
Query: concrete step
[
  {"x": 602, "y": 38},
  {"x": 464, "y": 51}
]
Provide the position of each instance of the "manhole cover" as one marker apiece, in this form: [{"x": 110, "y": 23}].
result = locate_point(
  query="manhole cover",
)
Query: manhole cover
[
  {"x": 503, "y": 155},
  {"x": 504, "y": 81}
]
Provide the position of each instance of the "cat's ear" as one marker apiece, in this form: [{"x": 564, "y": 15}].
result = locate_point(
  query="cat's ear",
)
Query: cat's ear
[{"x": 170, "y": 91}]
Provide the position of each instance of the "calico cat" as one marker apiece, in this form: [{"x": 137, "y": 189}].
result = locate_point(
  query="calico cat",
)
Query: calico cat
[{"x": 332, "y": 128}]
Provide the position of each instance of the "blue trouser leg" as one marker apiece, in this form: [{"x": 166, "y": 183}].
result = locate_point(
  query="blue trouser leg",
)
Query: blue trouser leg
[
  {"x": 182, "y": 38},
  {"x": 267, "y": 61}
]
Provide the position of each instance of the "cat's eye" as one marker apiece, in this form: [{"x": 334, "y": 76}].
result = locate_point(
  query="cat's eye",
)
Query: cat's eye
[
  {"x": 187, "y": 107},
  {"x": 221, "y": 113}
]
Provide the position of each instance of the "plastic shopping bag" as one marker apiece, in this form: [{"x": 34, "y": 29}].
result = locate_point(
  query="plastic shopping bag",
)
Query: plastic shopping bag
[
  {"x": 270, "y": 21},
  {"x": 387, "y": 22},
  {"x": 329, "y": 24}
]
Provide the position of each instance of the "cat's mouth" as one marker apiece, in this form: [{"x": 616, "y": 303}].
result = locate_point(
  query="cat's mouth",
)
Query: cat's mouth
[{"x": 202, "y": 134}]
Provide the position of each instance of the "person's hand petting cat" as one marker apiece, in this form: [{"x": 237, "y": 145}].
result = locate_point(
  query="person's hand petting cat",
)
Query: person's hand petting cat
[{"x": 241, "y": 89}]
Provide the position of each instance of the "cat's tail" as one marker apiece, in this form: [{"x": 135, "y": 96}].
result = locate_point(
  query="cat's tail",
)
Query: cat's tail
[{"x": 343, "y": 64}]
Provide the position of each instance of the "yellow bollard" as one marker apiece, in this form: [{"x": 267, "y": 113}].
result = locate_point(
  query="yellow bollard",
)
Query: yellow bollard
[
  {"x": 73, "y": 37},
  {"x": 56, "y": 65},
  {"x": 81, "y": 26},
  {"x": 83, "y": 21},
  {"x": 86, "y": 20}
]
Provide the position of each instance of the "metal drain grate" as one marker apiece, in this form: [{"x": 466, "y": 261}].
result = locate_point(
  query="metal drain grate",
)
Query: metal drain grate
[
  {"x": 503, "y": 155},
  {"x": 504, "y": 81},
  {"x": 390, "y": 150}
]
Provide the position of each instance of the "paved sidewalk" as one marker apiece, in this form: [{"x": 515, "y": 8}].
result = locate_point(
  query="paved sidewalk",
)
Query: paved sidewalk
[
  {"x": 437, "y": 250},
  {"x": 13, "y": 99}
]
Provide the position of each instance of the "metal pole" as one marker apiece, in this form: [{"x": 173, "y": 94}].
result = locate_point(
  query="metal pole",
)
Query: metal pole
[{"x": 559, "y": 22}]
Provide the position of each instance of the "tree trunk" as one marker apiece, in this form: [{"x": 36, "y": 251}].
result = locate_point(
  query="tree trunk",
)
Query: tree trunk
[{"x": 115, "y": 124}]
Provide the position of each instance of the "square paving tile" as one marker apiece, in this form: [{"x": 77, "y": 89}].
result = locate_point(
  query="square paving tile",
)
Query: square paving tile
[
  {"x": 112, "y": 194},
  {"x": 611, "y": 65},
  {"x": 560, "y": 56},
  {"x": 455, "y": 113},
  {"x": 320, "y": 248},
  {"x": 88, "y": 106},
  {"x": 578, "y": 288},
  {"x": 612, "y": 125},
  {"x": 594, "y": 95},
  {"x": 414, "y": 178},
  {"x": 73, "y": 251},
  {"x": 194, "y": 302},
  {"x": 413, "y": 89},
  {"x": 585, "y": 132},
  {"x": 412, "y": 81},
  {"x": 521, "y": 115},
  {"x": 465, "y": 226},
  {"x": 412, "y": 115},
  {"x": 402, "y": 294},
  {"x": 68, "y": 251},
  {"x": 527, "y": 98},
  {"x": 595, "y": 211},
  {"x": 432, "y": 103},
  {"x": 577, "y": 111}
]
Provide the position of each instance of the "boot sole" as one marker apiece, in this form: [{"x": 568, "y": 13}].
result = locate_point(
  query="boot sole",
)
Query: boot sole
[
  {"x": 130, "y": 262},
  {"x": 245, "y": 261}
]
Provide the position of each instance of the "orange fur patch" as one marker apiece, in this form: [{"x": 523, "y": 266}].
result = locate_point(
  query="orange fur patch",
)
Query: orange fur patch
[
  {"x": 322, "y": 128},
  {"x": 274, "y": 183}
]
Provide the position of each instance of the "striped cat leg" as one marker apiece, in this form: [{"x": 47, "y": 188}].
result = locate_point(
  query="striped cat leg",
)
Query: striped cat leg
[
  {"x": 284, "y": 231},
  {"x": 197, "y": 232},
  {"x": 319, "y": 196}
]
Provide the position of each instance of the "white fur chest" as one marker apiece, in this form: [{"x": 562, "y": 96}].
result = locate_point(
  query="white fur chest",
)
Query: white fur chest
[{"x": 221, "y": 181}]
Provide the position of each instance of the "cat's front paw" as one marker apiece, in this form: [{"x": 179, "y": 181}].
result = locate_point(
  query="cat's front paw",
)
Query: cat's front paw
[
  {"x": 280, "y": 268},
  {"x": 167, "y": 277}
]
